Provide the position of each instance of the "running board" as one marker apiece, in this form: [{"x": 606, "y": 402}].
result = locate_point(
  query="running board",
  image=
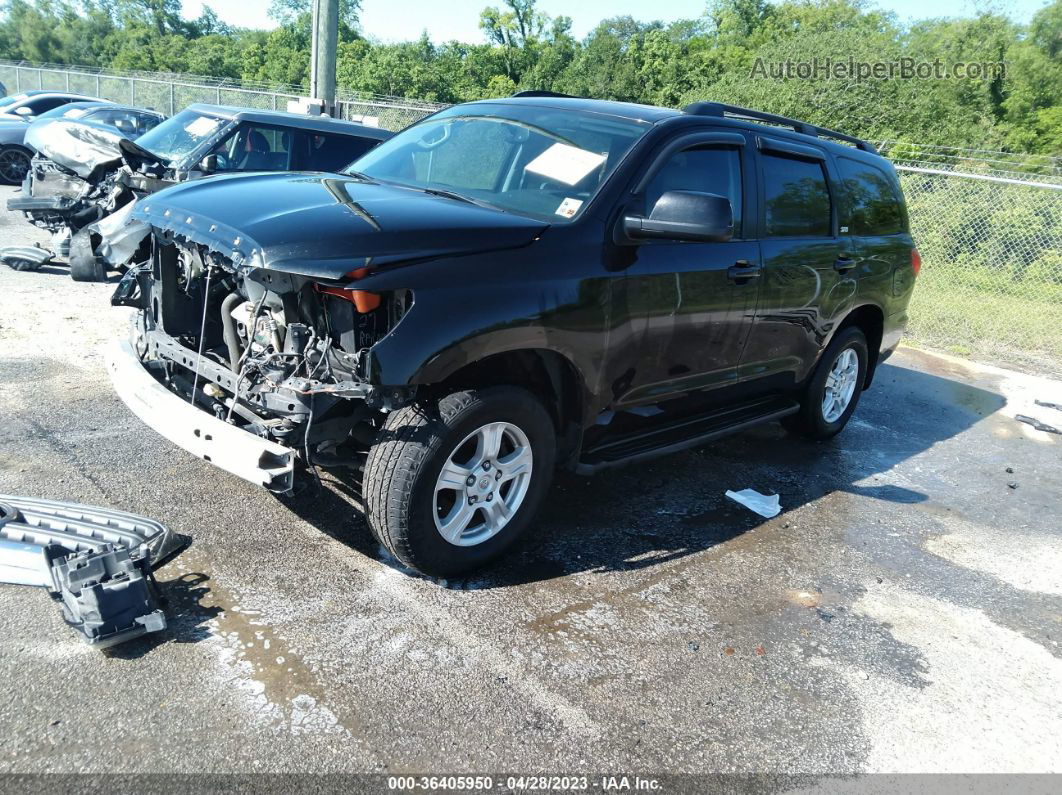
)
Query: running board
[{"x": 683, "y": 434}]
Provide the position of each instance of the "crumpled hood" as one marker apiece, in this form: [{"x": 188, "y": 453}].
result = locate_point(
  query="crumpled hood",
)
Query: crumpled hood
[
  {"x": 328, "y": 225},
  {"x": 83, "y": 147}
]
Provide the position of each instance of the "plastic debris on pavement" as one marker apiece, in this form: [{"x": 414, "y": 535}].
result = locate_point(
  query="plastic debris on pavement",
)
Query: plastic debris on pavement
[
  {"x": 97, "y": 563},
  {"x": 765, "y": 505},
  {"x": 1040, "y": 426}
]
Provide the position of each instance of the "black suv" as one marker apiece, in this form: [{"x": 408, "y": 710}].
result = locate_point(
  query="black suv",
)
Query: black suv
[{"x": 512, "y": 285}]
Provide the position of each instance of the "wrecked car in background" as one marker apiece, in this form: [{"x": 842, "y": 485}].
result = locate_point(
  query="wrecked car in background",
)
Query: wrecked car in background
[
  {"x": 16, "y": 114},
  {"x": 85, "y": 181},
  {"x": 510, "y": 285}
]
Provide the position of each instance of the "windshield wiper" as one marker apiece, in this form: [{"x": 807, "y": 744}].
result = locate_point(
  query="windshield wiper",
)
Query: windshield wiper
[
  {"x": 449, "y": 194},
  {"x": 359, "y": 177}
]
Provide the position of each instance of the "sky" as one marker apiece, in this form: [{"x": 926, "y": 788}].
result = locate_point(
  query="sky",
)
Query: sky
[{"x": 446, "y": 20}]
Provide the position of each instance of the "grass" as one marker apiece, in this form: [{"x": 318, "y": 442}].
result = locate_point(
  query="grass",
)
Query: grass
[{"x": 997, "y": 325}]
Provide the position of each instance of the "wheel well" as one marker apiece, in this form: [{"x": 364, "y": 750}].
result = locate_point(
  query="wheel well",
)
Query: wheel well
[
  {"x": 871, "y": 321},
  {"x": 545, "y": 373}
]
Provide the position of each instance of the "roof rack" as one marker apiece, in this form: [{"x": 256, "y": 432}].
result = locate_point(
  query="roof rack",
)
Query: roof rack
[
  {"x": 539, "y": 93},
  {"x": 721, "y": 109}
]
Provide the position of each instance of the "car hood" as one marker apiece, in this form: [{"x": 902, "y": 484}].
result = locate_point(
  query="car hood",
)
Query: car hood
[
  {"x": 328, "y": 225},
  {"x": 84, "y": 147}
]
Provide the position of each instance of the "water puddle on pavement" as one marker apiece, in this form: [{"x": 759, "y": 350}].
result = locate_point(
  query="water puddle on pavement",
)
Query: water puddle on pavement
[{"x": 280, "y": 686}]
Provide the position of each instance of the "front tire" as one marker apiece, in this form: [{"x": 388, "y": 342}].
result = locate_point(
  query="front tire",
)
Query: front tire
[
  {"x": 832, "y": 392},
  {"x": 451, "y": 485}
]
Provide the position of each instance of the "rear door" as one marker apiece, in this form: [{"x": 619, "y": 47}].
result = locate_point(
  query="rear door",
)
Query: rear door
[
  {"x": 873, "y": 215},
  {"x": 809, "y": 265},
  {"x": 691, "y": 304}
]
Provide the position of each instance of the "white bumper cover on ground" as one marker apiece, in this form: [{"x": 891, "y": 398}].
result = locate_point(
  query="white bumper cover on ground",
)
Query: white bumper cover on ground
[{"x": 245, "y": 455}]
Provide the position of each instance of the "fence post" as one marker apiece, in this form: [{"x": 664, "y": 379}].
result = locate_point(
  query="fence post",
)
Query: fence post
[
  {"x": 274, "y": 102},
  {"x": 132, "y": 91},
  {"x": 18, "y": 79},
  {"x": 173, "y": 101},
  {"x": 219, "y": 95},
  {"x": 67, "y": 82},
  {"x": 97, "y": 84}
]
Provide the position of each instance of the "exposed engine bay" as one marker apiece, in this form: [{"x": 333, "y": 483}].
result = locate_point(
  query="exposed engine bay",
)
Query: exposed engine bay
[{"x": 276, "y": 354}]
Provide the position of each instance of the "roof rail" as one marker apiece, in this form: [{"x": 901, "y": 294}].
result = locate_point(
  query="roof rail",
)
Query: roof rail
[
  {"x": 539, "y": 93},
  {"x": 721, "y": 109}
]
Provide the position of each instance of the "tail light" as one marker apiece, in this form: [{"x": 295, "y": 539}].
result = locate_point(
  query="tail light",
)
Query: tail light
[{"x": 916, "y": 261}]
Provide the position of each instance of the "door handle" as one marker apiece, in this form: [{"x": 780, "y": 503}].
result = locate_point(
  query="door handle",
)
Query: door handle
[
  {"x": 742, "y": 270},
  {"x": 843, "y": 264}
]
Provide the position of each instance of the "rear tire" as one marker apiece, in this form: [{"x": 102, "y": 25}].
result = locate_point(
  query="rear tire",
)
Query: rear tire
[
  {"x": 451, "y": 485},
  {"x": 85, "y": 266},
  {"x": 832, "y": 393}
]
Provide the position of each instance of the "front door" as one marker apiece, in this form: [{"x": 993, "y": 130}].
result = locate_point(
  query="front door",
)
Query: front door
[{"x": 690, "y": 304}]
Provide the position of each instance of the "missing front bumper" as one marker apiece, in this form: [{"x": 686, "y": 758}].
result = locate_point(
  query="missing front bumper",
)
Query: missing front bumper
[{"x": 227, "y": 447}]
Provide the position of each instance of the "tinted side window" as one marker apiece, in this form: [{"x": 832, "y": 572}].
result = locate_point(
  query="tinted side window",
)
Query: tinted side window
[
  {"x": 708, "y": 170},
  {"x": 796, "y": 197},
  {"x": 47, "y": 103},
  {"x": 873, "y": 203},
  {"x": 253, "y": 147},
  {"x": 333, "y": 152},
  {"x": 146, "y": 121}
]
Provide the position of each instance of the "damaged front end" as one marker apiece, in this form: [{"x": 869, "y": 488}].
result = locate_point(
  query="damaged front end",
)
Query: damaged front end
[
  {"x": 83, "y": 175},
  {"x": 252, "y": 369}
]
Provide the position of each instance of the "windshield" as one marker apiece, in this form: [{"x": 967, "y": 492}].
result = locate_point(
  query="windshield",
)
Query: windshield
[
  {"x": 178, "y": 136},
  {"x": 537, "y": 161}
]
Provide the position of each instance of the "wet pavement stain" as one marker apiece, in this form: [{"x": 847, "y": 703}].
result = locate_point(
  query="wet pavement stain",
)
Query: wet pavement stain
[{"x": 282, "y": 685}]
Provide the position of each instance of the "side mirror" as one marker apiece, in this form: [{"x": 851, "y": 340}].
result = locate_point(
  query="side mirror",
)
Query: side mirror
[
  {"x": 209, "y": 164},
  {"x": 684, "y": 215},
  {"x": 25, "y": 110}
]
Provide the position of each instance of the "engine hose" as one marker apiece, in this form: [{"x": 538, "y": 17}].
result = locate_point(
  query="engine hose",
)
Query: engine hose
[{"x": 228, "y": 324}]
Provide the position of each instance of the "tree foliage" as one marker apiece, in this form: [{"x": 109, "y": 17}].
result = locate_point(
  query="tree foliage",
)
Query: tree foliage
[{"x": 711, "y": 57}]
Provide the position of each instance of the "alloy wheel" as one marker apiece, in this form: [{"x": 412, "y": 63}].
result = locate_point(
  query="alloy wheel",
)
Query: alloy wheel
[
  {"x": 840, "y": 385},
  {"x": 482, "y": 484}
]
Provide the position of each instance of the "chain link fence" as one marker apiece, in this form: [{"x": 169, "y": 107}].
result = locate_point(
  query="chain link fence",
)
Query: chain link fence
[
  {"x": 988, "y": 224},
  {"x": 989, "y": 228},
  {"x": 171, "y": 93}
]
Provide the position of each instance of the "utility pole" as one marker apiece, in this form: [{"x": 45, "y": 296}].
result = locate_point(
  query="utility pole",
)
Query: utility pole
[{"x": 323, "y": 54}]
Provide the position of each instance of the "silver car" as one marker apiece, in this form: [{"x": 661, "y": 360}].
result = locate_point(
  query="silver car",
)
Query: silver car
[{"x": 16, "y": 113}]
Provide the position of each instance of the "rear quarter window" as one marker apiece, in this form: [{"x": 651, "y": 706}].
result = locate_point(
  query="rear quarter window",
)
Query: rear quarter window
[{"x": 872, "y": 200}]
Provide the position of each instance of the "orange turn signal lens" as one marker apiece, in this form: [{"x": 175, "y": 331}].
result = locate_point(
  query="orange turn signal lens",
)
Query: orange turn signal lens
[{"x": 363, "y": 300}]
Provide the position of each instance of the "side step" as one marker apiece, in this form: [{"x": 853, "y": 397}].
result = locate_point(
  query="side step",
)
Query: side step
[{"x": 682, "y": 434}]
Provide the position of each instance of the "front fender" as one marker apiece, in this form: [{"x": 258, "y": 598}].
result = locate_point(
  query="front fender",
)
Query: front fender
[{"x": 447, "y": 329}]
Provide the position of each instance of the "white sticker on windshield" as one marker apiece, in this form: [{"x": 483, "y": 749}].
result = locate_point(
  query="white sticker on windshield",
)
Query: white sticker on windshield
[
  {"x": 567, "y": 164},
  {"x": 202, "y": 126},
  {"x": 569, "y": 207}
]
